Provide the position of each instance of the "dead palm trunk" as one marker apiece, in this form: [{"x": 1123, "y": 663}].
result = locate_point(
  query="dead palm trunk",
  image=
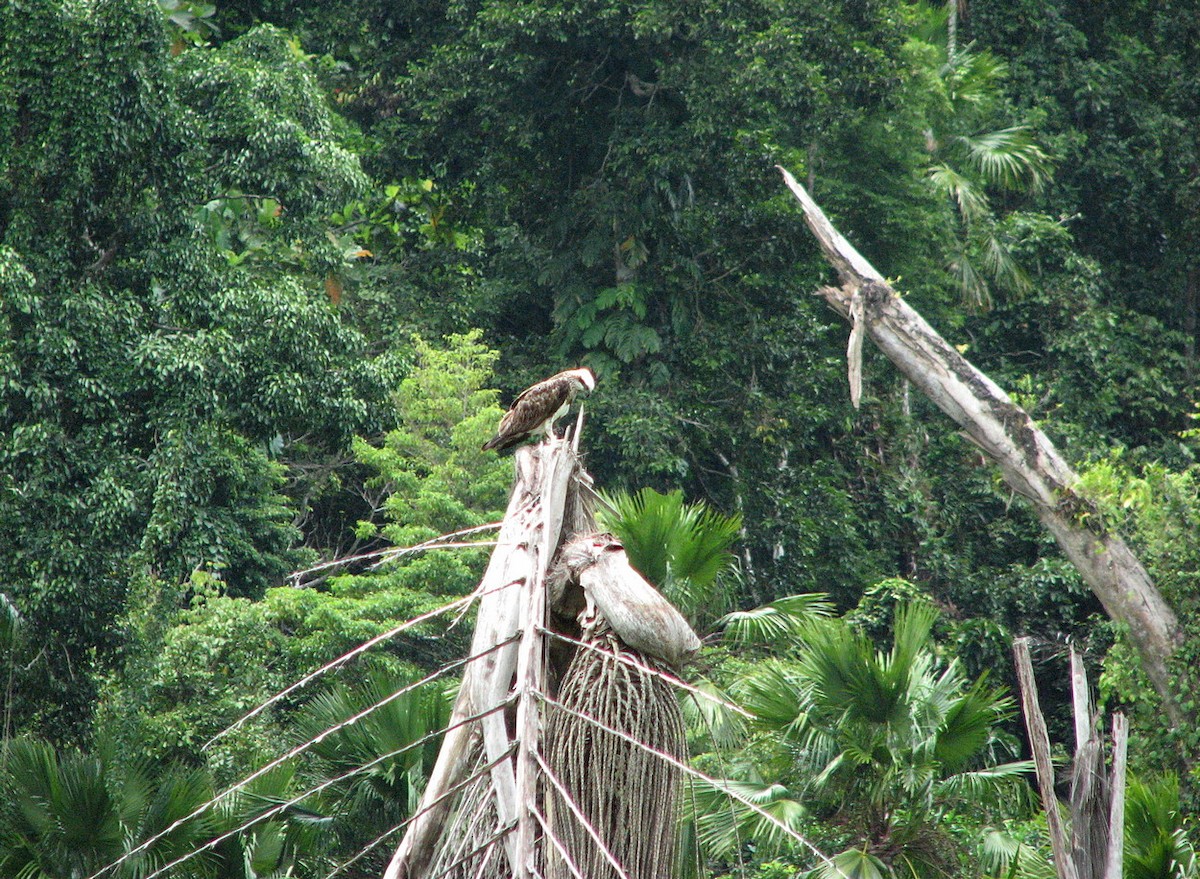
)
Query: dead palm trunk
[
  {"x": 1028, "y": 461},
  {"x": 531, "y": 781}
]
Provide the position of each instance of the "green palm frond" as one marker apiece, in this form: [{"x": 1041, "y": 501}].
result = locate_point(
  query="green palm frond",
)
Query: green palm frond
[
  {"x": 1157, "y": 845},
  {"x": 1002, "y": 856},
  {"x": 911, "y": 639},
  {"x": 177, "y": 793},
  {"x": 725, "y": 822},
  {"x": 972, "y": 78},
  {"x": 968, "y": 723},
  {"x": 1009, "y": 158},
  {"x": 69, "y": 813},
  {"x": 998, "y": 261},
  {"x": 65, "y": 819},
  {"x": 773, "y": 693},
  {"x": 851, "y": 681},
  {"x": 1006, "y": 782},
  {"x": 973, "y": 287},
  {"x": 402, "y": 721},
  {"x": 970, "y": 199},
  {"x": 852, "y": 864},
  {"x": 777, "y": 622},
  {"x": 713, "y": 717},
  {"x": 684, "y": 549}
]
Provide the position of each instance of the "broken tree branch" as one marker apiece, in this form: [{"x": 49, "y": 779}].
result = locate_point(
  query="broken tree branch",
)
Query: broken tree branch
[
  {"x": 1028, "y": 461},
  {"x": 1039, "y": 743}
]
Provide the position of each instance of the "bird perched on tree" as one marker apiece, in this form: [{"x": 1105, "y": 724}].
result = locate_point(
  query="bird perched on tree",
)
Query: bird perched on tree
[{"x": 537, "y": 407}]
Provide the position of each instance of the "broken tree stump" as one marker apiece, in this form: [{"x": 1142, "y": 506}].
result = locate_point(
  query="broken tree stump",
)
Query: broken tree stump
[
  {"x": 1089, "y": 846},
  {"x": 495, "y": 807}
]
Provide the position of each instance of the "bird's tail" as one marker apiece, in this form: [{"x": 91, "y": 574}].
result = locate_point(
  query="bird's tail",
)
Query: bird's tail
[{"x": 501, "y": 443}]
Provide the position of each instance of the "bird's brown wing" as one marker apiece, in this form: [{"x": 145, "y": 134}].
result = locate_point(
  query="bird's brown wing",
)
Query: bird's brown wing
[
  {"x": 529, "y": 411},
  {"x": 535, "y": 404}
]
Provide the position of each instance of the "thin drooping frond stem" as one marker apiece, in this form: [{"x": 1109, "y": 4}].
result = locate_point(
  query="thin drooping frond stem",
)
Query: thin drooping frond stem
[
  {"x": 442, "y": 541},
  {"x": 573, "y": 807},
  {"x": 631, "y": 659},
  {"x": 695, "y": 773},
  {"x": 334, "y": 664},
  {"x": 548, "y": 833},
  {"x": 627, "y": 795},
  {"x": 296, "y": 751}
]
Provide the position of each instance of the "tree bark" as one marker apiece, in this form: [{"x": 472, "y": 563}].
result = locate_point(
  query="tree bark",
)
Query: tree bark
[
  {"x": 1093, "y": 848},
  {"x": 1039, "y": 744},
  {"x": 509, "y": 609},
  {"x": 1028, "y": 461}
]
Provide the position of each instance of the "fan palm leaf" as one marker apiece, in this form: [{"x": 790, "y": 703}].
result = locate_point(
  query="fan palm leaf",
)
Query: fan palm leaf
[
  {"x": 971, "y": 201},
  {"x": 1008, "y": 158},
  {"x": 684, "y": 549},
  {"x": 852, "y": 864},
  {"x": 70, "y": 813},
  {"x": 1157, "y": 845},
  {"x": 773, "y": 693},
  {"x": 724, "y": 726},
  {"x": 775, "y": 623},
  {"x": 724, "y": 821},
  {"x": 886, "y": 740},
  {"x": 1003, "y": 856},
  {"x": 396, "y": 723}
]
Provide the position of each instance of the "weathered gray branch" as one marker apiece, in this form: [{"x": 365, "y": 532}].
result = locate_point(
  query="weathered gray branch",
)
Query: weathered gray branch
[
  {"x": 1093, "y": 847},
  {"x": 513, "y": 575},
  {"x": 1039, "y": 743},
  {"x": 1028, "y": 461}
]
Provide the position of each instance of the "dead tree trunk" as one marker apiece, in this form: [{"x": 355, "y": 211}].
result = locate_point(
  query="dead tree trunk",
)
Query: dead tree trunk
[
  {"x": 1091, "y": 846},
  {"x": 494, "y": 806},
  {"x": 1028, "y": 461}
]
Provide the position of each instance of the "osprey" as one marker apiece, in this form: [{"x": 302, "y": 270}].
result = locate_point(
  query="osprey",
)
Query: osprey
[{"x": 537, "y": 408}]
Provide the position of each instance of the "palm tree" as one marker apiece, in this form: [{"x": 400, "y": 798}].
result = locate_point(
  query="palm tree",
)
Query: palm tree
[
  {"x": 388, "y": 741},
  {"x": 880, "y": 745},
  {"x": 683, "y": 549},
  {"x": 1157, "y": 845},
  {"x": 71, "y": 814},
  {"x": 968, "y": 156}
]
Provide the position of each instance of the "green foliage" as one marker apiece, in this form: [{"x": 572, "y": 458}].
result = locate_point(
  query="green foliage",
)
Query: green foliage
[
  {"x": 683, "y": 548},
  {"x": 883, "y": 745},
  {"x": 960, "y": 91},
  {"x": 436, "y": 477},
  {"x": 71, "y": 813},
  {"x": 204, "y": 297},
  {"x": 150, "y": 386},
  {"x": 1157, "y": 840},
  {"x": 780, "y": 621},
  {"x": 211, "y": 663},
  {"x": 385, "y": 749}
]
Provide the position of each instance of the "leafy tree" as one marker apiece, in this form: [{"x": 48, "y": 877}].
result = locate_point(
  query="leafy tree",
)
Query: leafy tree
[
  {"x": 224, "y": 654},
  {"x": 159, "y": 354},
  {"x": 1119, "y": 86}
]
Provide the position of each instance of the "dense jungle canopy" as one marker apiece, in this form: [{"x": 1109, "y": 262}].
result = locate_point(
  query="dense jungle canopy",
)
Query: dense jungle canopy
[{"x": 269, "y": 271}]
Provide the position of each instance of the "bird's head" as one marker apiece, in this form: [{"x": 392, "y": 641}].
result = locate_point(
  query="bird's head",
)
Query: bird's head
[{"x": 585, "y": 377}]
